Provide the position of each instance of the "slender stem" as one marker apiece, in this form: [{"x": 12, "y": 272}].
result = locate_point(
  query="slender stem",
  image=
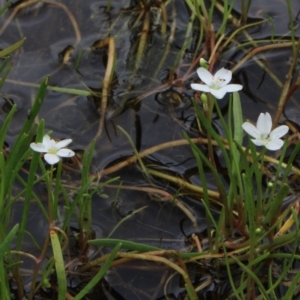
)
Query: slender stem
[
  {"x": 110, "y": 42},
  {"x": 177, "y": 143},
  {"x": 286, "y": 88}
]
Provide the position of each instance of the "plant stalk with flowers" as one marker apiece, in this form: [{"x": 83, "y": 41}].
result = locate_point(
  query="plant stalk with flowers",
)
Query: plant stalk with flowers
[
  {"x": 54, "y": 151},
  {"x": 248, "y": 208}
]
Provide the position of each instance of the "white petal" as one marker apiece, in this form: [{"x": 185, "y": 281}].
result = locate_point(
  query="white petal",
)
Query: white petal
[
  {"x": 65, "y": 153},
  {"x": 279, "y": 132},
  {"x": 47, "y": 141},
  {"x": 219, "y": 94},
  {"x": 205, "y": 76},
  {"x": 63, "y": 143},
  {"x": 233, "y": 87},
  {"x": 38, "y": 147},
  {"x": 51, "y": 159},
  {"x": 225, "y": 76},
  {"x": 259, "y": 142},
  {"x": 251, "y": 130},
  {"x": 264, "y": 123},
  {"x": 275, "y": 144},
  {"x": 200, "y": 87}
]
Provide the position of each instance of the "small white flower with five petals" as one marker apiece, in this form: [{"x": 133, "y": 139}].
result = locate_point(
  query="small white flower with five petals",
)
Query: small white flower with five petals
[
  {"x": 263, "y": 133},
  {"x": 217, "y": 85},
  {"x": 53, "y": 149}
]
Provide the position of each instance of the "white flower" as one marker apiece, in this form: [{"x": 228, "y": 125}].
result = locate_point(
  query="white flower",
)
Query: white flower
[
  {"x": 217, "y": 85},
  {"x": 53, "y": 149},
  {"x": 263, "y": 136}
]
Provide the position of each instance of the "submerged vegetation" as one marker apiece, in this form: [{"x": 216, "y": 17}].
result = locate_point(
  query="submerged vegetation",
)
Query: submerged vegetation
[{"x": 248, "y": 244}]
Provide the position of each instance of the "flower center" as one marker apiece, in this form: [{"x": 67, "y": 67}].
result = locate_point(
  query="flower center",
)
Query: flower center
[
  {"x": 265, "y": 137},
  {"x": 52, "y": 150},
  {"x": 217, "y": 83}
]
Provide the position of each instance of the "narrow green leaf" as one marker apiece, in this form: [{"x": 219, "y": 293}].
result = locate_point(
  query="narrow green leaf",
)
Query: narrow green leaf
[
  {"x": 237, "y": 118},
  {"x": 142, "y": 166},
  {"x": 29, "y": 188},
  {"x": 59, "y": 266},
  {"x": 276, "y": 204},
  {"x": 12, "y": 48},
  {"x": 6, "y": 124},
  {"x": 7, "y": 241},
  {"x": 86, "y": 162},
  {"x": 190, "y": 293},
  {"x": 5, "y": 7},
  {"x": 4, "y": 76},
  {"x": 253, "y": 276},
  {"x": 4, "y": 247},
  {"x": 128, "y": 245},
  {"x": 99, "y": 275}
]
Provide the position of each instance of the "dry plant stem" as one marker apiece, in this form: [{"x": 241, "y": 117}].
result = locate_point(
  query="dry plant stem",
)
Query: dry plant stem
[
  {"x": 284, "y": 94},
  {"x": 177, "y": 143},
  {"x": 288, "y": 224},
  {"x": 167, "y": 49},
  {"x": 165, "y": 197},
  {"x": 95, "y": 263},
  {"x": 203, "y": 285},
  {"x": 165, "y": 261},
  {"x": 110, "y": 42},
  {"x": 186, "y": 39},
  {"x": 71, "y": 17},
  {"x": 184, "y": 184},
  {"x": 244, "y": 13},
  {"x": 292, "y": 90},
  {"x": 24, "y": 254},
  {"x": 15, "y": 11},
  {"x": 31, "y": 2},
  {"x": 149, "y": 151},
  {"x": 213, "y": 55},
  {"x": 33, "y": 288},
  {"x": 212, "y": 42},
  {"x": 258, "y": 50},
  {"x": 143, "y": 41},
  {"x": 164, "y": 19},
  {"x": 137, "y": 21},
  {"x": 197, "y": 242}
]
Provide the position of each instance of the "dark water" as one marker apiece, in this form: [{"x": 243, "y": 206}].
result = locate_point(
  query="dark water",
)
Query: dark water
[{"x": 156, "y": 117}]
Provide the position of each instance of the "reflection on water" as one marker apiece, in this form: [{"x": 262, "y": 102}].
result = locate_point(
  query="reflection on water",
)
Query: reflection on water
[{"x": 141, "y": 102}]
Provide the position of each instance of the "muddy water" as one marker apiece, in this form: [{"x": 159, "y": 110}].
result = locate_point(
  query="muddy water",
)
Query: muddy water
[{"x": 140, "y": 102}]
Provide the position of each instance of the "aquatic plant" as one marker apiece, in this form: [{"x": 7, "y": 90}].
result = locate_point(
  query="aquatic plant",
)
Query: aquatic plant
[{"x": 250, "y": 228}]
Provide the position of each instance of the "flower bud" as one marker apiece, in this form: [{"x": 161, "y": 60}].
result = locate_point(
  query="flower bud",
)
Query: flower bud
[{"x": 203, "y": 63}]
